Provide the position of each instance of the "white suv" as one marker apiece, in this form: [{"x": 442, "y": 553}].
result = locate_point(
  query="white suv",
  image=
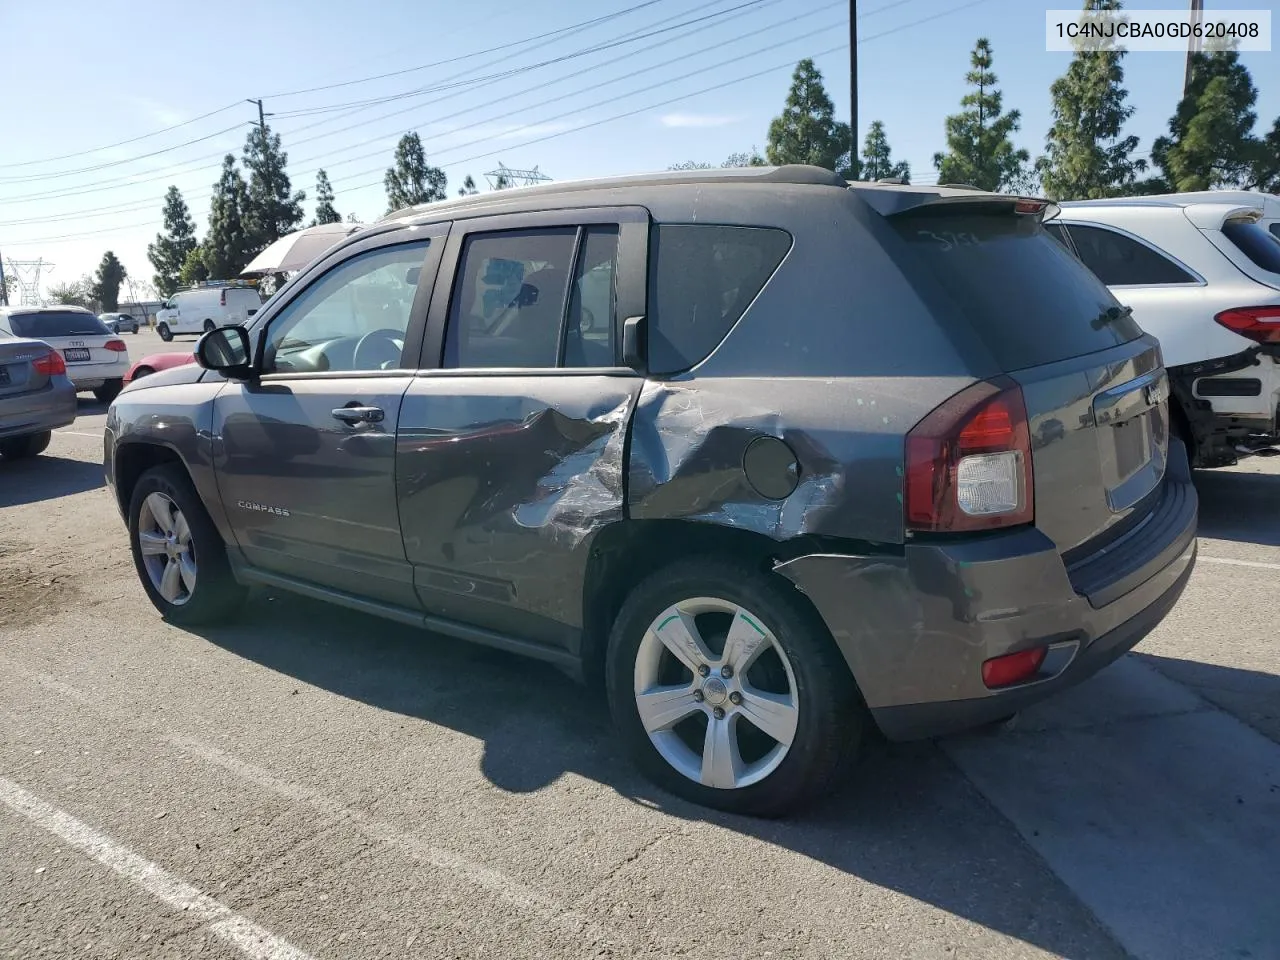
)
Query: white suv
[{"x": 1204, "y": 278}]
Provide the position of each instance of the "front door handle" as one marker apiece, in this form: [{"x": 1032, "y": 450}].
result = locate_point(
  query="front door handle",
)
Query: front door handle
[{"x": 359, "y": 414}]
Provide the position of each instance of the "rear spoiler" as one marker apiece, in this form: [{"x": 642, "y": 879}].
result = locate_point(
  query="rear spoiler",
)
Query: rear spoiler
[
  {"x": 1211, "y": 216},
  {"x": 896, "y": 202}
]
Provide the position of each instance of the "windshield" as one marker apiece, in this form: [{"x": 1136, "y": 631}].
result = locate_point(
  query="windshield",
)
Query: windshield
[
  {"x": 57, "y": 324},
  {"x": 1028, "y": 299}
]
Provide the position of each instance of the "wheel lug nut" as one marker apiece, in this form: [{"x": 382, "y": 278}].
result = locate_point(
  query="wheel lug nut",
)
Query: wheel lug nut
[
  {"x": 719, "y": 713},
  {"x": 726, "y": 672},
  {"x": 703, "y": 670},
  {"x": 697, "y": 695},
  {"x": 735, "y": 698}
]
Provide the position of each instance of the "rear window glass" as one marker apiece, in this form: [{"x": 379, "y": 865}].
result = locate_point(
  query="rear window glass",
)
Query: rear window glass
[
  {"x": 53, "y": 324},
  {"x": 1029, "y": 300},
  {"x": 1255, "y": 243},
  {"x": 702, "y": 278}
]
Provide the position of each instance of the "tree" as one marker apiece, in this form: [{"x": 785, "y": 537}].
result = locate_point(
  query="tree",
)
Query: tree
[
  {"x": 271, "y": 209},
  {"x": 744, "y": 158},
  {"x": 468, "y": 188},
  {"x": 194, "y": 270},
  {"x": 352, "y": 218},
  {"x": 1085, "y": 157},
  {"x": 78, "y": 293},
  {"x": 877, "y": 162},
  {"x": 1210, "y": 142},
  {"x": 171, "y": 248},
  {"x": 10, "y": 285},
  {"x": 229, "y": 245},
  {"x": 325, "y": 212},
  {"x": 411, "y": 180},
  {"x": 690, "y": 165},
  {"x": 1266, "y": 164},
  {"x": 979, "y": 151},
  {"x": 106, "y": 283},
  {"x": 806, "y": 131}
]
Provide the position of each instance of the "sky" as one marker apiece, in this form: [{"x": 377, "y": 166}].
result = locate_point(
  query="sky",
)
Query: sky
[{"x": 576, "y": 89}]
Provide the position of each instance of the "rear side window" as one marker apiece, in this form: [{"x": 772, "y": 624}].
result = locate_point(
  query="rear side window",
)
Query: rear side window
[
  {"x": 1275, "y": 230},
  {"x": 1255, "y": 243},
  {"x": 701, "y": 280},
  {"x": 1029, "y": 300},
  {"x": 55, "y": 324},
  {"x": 1122, "y": 261}
]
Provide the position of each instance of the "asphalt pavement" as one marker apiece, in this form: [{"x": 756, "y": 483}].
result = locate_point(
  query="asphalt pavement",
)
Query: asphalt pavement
[{"x": 313, "y": 783}]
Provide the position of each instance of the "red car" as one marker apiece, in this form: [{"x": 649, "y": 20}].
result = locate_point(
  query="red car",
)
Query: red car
[{"x": 157, "y": 361}]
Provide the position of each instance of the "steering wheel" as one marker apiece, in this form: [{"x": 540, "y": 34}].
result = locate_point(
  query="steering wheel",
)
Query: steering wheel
[{"x": 377, "y": 348}]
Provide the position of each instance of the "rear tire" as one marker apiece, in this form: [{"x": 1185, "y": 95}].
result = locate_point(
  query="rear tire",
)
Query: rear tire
[
  {"x": 165, "y": 333},
  {"x": 794, "y": 678},
  {"x": 108, "y": 391},
  {"x": 184, "y": 569},
  {"x": 22, "y": 448}
]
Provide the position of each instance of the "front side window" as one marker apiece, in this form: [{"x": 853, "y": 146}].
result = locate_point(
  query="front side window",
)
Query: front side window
[
  {"x": 352, "y": 318},
  {"x": 1120, "y": 261},
  {"x": 535, "y": 299}
]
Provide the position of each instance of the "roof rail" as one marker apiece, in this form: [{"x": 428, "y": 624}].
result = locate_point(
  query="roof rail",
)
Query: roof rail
[{"x": 962, "y": 186}]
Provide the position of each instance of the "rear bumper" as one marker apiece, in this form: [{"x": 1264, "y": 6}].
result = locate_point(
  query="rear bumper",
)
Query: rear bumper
[
  {"x": 37, "y": 412},
  {"x": 86, "y": 376},
  {"x": 915, "y": 629}
]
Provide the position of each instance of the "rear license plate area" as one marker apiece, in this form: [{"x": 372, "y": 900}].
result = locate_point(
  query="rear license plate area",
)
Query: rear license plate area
[
  {"x": 76, "y": 355},
  {"x": 1133, "y": 446}
]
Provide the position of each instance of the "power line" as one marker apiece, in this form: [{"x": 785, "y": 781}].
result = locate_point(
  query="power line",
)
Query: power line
[
  {"x": 121, "y": 143},
  {"x": 168, "y": 173},
  {"x": 619, "y": 116}
]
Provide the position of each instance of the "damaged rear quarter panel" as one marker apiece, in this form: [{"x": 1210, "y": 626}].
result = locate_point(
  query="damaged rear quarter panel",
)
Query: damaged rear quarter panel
[{"x": 689, "y": 438}]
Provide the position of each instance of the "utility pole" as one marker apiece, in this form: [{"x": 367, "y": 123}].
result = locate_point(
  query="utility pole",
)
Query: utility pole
[
  {"x": 4, "y": 286},
  {"x": 1193, "y": 43},
  {"x": 271, "y": 185},
  {"x": 853, "y": 84}
]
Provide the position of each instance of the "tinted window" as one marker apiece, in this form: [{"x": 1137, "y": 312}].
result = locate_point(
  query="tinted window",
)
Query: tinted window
[
  {"x": 54, "y": 324},
  {"x": 1029, "y": 300},
  {"x": 1255, "y": 243},
  {"x": 590, "y": 333},
  {"x": 352, "y": 318},
  {"x": 1058, "y": 232},
  {"x": 1119, "y": 260},
  {"x": 701, "y": 281},
  {"x": 508, "y": 299},
  {"x": 1275, "y": 230}
]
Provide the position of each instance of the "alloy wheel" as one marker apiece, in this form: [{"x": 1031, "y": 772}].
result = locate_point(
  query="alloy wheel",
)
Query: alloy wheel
[
  {"x": 168, "y": 553},
  {"x": 716, "y": 693}
]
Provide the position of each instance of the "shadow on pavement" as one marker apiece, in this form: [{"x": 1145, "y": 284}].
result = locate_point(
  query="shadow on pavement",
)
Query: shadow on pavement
[
  {"x": 1239, "y": 506},
  {"x": 45, "y": 478},
  {"x": 1249, "y": 695},
  {"x": 911, "y": 823}
]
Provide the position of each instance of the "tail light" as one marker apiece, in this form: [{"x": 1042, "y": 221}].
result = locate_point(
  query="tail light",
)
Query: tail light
[
  {"x": 1260, "y": 324},
  {"x": 51, "y": 364},
  {"x": 968, "y": 463},
  {"x": 116, "y": 346}
]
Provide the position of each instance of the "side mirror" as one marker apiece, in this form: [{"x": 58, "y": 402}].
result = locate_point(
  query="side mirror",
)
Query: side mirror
[
  {"x": 633, "y": 342},
  {"x": 225, "y": 351}
]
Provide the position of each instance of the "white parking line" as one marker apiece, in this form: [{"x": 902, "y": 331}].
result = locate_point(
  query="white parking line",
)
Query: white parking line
[
  {"x": 72, "y": 433},
  {"x": 1257, "y": 564},
  {"x": 252, "y": 940}
]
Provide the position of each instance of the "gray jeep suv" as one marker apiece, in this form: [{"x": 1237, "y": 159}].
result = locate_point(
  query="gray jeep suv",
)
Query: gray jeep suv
[{"x": 775, "y": 459}]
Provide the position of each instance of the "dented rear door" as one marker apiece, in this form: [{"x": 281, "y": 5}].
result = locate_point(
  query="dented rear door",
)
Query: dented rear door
[{"x": 510, "y": 451}]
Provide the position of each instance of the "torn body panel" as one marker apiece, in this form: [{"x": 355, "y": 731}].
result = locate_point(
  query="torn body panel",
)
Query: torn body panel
[
  {"x": 502, "y": 485},
  {"x": 689, "y": 444}
]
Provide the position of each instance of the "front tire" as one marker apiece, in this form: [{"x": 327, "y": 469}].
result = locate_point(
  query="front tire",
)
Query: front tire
[
  {"x": 22, "y": 448},
  {"x": 727, "y": 689},
  {"x": 178, "y": 553},
  {"x": 165, "y": 333},
  {"x": 108, "y": 391}
]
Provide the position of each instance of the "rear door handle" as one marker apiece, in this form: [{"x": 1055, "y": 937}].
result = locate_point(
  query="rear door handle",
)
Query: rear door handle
[{"x": 359, "y": 414}]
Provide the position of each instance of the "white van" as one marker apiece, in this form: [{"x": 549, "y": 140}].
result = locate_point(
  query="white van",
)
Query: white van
[{"x": 205, "y": 307}]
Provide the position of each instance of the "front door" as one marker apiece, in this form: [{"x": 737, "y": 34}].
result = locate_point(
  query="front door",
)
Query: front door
[
  {"x": 510, "y": 456},
  {"x": 305, "y": 456}
]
